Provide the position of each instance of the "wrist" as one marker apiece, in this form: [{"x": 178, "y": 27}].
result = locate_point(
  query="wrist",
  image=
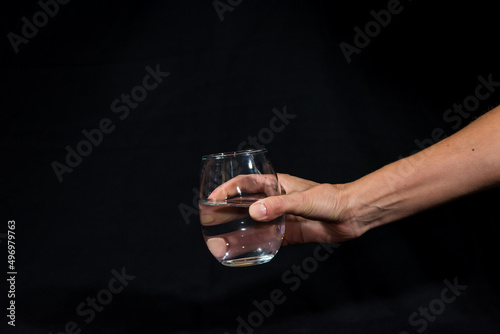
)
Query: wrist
[{"x": 369, "y": 204}]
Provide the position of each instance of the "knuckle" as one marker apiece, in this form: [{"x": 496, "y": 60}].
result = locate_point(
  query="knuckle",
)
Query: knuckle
[
  {"x": 300, "y": 203},
  {"x": 277, "y": 205},
  {"x": 319, "y": 200}
]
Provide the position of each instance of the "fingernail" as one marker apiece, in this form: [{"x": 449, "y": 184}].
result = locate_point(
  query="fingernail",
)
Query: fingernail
[
  {"x": 258, "y": 210},
  {"x": 217, "y": 246}
]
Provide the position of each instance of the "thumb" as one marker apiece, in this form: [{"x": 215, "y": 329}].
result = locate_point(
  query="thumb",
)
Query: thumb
[{"x": 273, "y": 207}]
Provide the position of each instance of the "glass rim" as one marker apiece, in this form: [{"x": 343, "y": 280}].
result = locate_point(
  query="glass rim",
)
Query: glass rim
[{"x": 230, "y": 154}]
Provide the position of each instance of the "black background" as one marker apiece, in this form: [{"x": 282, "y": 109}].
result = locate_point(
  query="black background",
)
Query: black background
[{"x": 120, "y": 206}]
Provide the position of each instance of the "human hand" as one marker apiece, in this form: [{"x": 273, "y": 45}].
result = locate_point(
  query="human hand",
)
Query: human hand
[
  {"x": 314, "y": 212},
  {"x": 227, "y": 227}
]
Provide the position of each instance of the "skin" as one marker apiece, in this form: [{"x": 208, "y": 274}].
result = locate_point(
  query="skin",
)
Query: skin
[
  {"x": 259, "y": 185},
  {"x": 464, "y": 163}
]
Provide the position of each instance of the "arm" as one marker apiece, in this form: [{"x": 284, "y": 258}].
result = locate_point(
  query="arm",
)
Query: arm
[{"x": 466, "y": 162}]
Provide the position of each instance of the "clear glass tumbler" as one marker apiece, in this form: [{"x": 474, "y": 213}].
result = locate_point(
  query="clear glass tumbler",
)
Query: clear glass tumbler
[{"x": 230, "y": 183}]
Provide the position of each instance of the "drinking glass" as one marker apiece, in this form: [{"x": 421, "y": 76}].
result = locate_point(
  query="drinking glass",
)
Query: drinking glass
[{"x": 230, "y": 183}]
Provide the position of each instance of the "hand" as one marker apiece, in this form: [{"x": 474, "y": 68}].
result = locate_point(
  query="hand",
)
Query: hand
[
  {"x": 314, "y": 212},
  {"x": 228, "y": 230}
]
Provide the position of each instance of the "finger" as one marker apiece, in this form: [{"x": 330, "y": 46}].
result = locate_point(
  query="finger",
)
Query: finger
[
  {"x": 218, "y": 214},
  {"x": 292, "y": 183},
  {"x": 213, "y": 214},
  {"x": 317, "y": 203},
  {"x": 264, "y": 237},
  {"x": 230, "y": 232},
  {"x": 217, "y": 246},
  {"x": 246, "y": 184},
  {"x": 275, "y": 206}
]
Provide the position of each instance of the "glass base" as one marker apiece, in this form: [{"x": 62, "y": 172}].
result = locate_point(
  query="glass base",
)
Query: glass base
[{"x": 248, "y": 261}]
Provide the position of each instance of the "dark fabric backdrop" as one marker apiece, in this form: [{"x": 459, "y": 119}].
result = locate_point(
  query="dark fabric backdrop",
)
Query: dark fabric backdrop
[{"x": 129, "y": 203}]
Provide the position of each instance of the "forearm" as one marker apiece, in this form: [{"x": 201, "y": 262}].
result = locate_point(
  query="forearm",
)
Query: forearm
[{"x": 466, "y": 162}]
